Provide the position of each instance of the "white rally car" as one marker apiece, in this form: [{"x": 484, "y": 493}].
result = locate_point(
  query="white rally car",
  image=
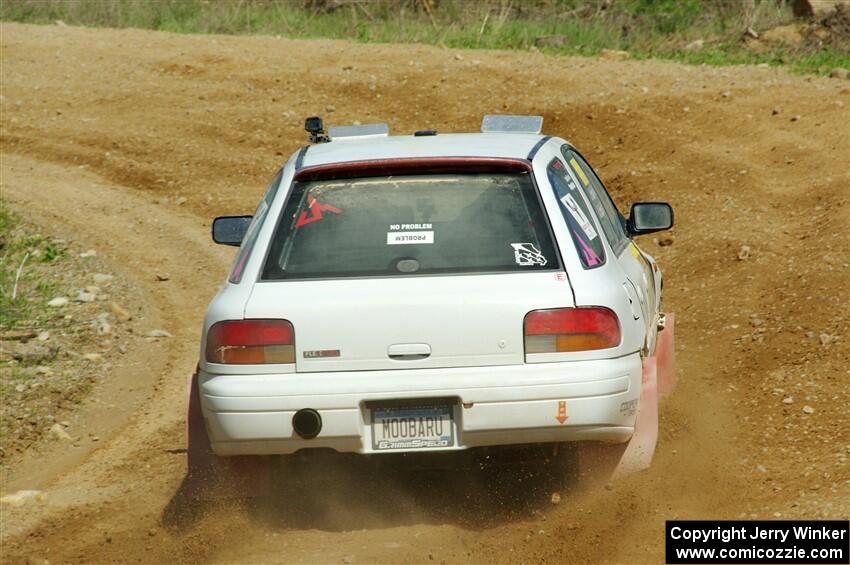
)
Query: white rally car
[{"x": 433, "y": 292}]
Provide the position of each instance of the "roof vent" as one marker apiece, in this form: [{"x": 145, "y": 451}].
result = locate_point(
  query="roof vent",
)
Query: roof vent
[
  {"x": 359, "y": 132},
  {"x": 493, "y": 123}
]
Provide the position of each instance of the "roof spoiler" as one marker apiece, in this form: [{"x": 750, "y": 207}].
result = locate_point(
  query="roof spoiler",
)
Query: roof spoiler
[
  {"x": 494, "y": 123},
  {"x": 359, "y": 131},
  {"x": 316, "y": 128}
]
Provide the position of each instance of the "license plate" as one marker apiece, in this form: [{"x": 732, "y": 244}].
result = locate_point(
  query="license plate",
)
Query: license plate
[{"x": 412, "y": 427}]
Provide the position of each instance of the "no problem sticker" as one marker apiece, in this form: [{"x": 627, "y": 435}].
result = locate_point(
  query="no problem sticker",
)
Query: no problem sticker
[
  {"x": 407, "y": 237},
  {"x": 405, "y": 234}
]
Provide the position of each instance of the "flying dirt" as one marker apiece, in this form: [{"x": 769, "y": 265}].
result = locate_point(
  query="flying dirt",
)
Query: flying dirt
[{"x": 132, "y": 141}]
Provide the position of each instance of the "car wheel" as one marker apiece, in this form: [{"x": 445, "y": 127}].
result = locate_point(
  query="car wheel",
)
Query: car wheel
[
  {"x": 604, "y": 461},
  {"x": 209, "y": 476}
]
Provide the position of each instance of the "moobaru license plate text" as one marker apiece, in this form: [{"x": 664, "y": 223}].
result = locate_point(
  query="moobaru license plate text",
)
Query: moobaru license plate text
[{"x": 412, "y": 427}]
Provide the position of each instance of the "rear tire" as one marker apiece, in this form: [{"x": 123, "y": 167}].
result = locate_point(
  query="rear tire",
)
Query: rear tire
[
  {"x": 603, "y": 461},
  {"x": 209, "y": 476},
  {"x": 598, "y": 462}
]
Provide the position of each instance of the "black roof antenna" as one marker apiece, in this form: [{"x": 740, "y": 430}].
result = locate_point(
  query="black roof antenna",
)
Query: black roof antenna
[{"x": 316, "y": 128}]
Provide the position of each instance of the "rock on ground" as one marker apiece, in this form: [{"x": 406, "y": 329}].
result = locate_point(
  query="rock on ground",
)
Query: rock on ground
[
  {"x": 58, "y": 432},
  {"x": 22, "y": 497},
  {"x": 812, "y": 8},
  {"x": 120, "y": 313}
]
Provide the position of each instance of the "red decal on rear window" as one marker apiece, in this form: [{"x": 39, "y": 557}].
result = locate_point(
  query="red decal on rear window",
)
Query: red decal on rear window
[{"x": 314, "y": 211}]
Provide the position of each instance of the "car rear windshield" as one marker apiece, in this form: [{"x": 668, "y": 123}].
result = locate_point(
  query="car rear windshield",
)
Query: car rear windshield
[{"x": 411, "y": 225}]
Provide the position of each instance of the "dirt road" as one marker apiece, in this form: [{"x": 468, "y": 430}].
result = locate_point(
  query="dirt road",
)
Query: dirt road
[{"x": 133, "y": 140}]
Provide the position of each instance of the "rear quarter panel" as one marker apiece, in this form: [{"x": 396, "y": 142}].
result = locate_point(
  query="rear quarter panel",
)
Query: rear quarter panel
[{"x": 600, "y": 286}]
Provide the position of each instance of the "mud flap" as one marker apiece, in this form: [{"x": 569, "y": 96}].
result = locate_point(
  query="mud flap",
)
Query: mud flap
[
  {"x": 211, "y": 477},
  {"x": 639, "y": 450},
  {"x": 665, "y": 353}
]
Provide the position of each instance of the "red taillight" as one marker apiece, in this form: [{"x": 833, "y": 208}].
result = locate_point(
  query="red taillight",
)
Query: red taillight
[
  {"x": 251, "y": 342},
  {"x": 571, "y": 329}
]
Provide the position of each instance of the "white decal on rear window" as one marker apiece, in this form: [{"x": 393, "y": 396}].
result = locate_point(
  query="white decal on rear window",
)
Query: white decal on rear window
[
  {"x": 577, "y": 213},
  {"x": 410, "y": 227},
  {"x": 403, "y": 234},
  {"x": 406, "y": 237},
  {"x": 525, "y": 255}
]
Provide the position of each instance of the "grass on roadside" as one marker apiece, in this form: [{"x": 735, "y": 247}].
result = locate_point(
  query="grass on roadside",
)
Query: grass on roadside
[
  {"x": 644, "y": 28},
  {"x": 25, "y": 287},
  {"x": 42, "y": 374}
]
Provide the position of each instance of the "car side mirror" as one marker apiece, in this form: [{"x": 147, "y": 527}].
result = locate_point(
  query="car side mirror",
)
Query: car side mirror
[
  {"x": 229, "y": 230},
  {"x": 649, "y": 217}
]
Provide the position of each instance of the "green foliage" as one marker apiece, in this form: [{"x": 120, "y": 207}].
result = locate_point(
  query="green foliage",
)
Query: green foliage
[
  {"x": 667, "y": 16},
  {"x": 51, "y": 253},
  {"x": 645, "y": 28},
  {"x": 5, "y": 224},
  {"x": 23, "y": 296}
]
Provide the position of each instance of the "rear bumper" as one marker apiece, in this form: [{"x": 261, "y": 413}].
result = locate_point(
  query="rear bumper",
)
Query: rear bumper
[{"x": 252, "y": 414}]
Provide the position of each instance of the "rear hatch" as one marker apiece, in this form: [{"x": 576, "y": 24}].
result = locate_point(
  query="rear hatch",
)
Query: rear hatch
[{"x": 423, "y": 270}]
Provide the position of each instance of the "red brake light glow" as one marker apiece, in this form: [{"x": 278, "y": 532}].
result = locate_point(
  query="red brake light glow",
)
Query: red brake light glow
[
  {"x": 561, "y": 330},
  {"x": 251, "y": 342}
]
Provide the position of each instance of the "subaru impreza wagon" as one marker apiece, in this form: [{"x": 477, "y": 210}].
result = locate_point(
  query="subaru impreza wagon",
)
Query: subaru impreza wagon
[{"x": 433, "y": 292}]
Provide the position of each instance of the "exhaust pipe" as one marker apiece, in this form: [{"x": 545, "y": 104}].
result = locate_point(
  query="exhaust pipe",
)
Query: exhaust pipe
[{"x": 307, "y": 423}]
